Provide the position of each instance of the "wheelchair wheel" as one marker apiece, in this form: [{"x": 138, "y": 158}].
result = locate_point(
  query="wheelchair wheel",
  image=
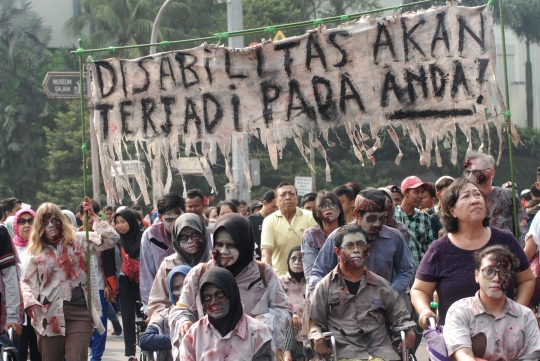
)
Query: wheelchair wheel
[
  {"x": 143, "y": 356},
  {"x": 412, "y": 357}
]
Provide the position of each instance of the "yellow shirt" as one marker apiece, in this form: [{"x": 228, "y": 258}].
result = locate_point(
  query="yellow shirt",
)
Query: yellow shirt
[{"x": 280, "y": 236}]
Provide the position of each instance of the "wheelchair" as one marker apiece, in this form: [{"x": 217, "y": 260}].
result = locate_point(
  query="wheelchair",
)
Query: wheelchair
[
  {"x": 140, "y": 327},
  {"x": 9, "y": 352}
]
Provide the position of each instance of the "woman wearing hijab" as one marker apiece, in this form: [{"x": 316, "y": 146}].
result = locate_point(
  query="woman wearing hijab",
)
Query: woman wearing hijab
[
  {"x": 225, "y": 332},
  {"x": 69, "y": 214},
  {"x": 261, "y": 292},
  {"x": 191, "y": 246},
  {"x": 157, "y": 334},
  {"x": 130, "y": 235},
  {"x": 294, "y": 284},
  {"x": 22, "y": 225}
]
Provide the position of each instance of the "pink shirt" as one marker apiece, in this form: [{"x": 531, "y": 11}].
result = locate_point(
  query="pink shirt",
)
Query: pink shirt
[
  {"x": 204, "y": 342},
  {"x": 296, "y": 293}
]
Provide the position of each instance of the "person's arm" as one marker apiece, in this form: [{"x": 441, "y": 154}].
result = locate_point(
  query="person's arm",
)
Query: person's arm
[
  {"x": 525, "y": 284},
  {"x": 324, "y": 263},
  {"x": 266, "y": 255},
  {"x": 464, "y": 354},
  {"x": 309, "y": 254},
  {"x": 13, "y": 299},
  {"x": 421, "y": 296},
  {"x": 530, "y": 247},
  {"x": 267, "y": 240},
  {"x": 107, "y": 236},
  {"x": 147, "y": 271},
  {"x": 188, "y": 312},
  {"x": 152, "y": 340},
  {"x": 158, "y": 299},
  {"x": 403, "y": 267},
  {"x": 457, "y": 334}
]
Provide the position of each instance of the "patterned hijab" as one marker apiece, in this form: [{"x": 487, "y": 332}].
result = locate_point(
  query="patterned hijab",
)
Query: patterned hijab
[{"x": 17, "y": 239}]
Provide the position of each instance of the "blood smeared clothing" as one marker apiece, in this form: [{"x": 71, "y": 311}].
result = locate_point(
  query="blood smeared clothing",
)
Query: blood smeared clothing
[
  {"x": 51, "y": 276},
  {"x": 499, "y": 203}
]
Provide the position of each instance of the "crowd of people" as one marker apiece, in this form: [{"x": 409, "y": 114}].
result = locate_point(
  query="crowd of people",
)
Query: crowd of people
[{"x": 270, "y": 280}]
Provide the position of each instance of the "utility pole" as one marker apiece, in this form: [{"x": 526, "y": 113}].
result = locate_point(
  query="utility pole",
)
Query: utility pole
[
  {"x": 312, "y": 161},
  {"x": 235, "y": 22},
  {"x": 94, "y": 155}
]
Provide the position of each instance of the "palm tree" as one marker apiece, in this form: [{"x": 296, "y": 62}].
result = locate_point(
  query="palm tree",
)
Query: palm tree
[{"x": 126, "y": 22}]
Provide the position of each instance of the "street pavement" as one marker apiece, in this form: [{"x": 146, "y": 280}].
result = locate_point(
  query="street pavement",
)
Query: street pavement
[{"x": 114, "y": 350}]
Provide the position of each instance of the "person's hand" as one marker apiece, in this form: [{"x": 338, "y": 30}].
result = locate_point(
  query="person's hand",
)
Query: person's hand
[
  {"x": 185, "y": 327},
  {"x": 17, "y": 329},
  {"x": 260, "y": 318},
  {"x": 109, "y": 296},
  {"x": 87, "y": 207},
  {"x": 423, "y": 318},
  {"x": 321, "y": 348},
  {"x": 410, "y": 338},
  {"x": 31, "y": 312},
  {"x": 296, "y": 321}
]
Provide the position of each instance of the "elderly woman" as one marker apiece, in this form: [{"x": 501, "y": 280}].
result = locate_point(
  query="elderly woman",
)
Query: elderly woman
[
  {"x": 449, "y": 263},
  {"x": 191, "y": 248},
  {"x": 55, "y": 286},
  {"x": 261, "y": 292}
]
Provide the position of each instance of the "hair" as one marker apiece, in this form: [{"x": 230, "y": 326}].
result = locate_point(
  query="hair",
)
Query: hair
[
  {"x": 535, "y": 192},
  {"x": 348, "y": 229},
  {"x": 431, "y": 190},
  {"x": 2, "y": 210},
  {"x": 344, "y": 190},
  {"x": 172, "y": 201},
  {"x": 320, "y": 197},
  {"x": 449, "y": 200},
  {"x": 538, "y": 174},
  {"x": 308, "y": 197},
  {"x": 194, "y": 193},
  {"x": 108, "y": 208},
  {"x": 243, "y": 203},
  {"x": 531, "y": 203},
  {"x": 9, "y": 204},
  {"x": 354, "y": 187},
  {"x": 283, "y": 184},
  {"x": 63, "y": 208},
  {"x": 37, "y": 233},
  {"x": 443, "y": 183},
  {"x": 95, "y": 207},
  {"x": 137, "y": 215},
  {"x": 230, "y": 204},
  {"x": 136, "y": 207},
  {"x": 488, "y": 159},
  {"x": 269, "y": 196},
  {"x": 499, "y": 249},
  {"x": 207, "y": 211}
]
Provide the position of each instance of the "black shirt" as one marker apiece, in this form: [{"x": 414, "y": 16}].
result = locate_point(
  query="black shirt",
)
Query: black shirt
[{"x": 256, "y": 225}]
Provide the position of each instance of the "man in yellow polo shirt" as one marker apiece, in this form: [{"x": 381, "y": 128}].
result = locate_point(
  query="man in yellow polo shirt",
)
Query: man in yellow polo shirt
[{"x": 283, "y": 229}]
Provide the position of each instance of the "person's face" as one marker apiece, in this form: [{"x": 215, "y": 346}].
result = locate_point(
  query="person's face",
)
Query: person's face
[
  {"x": 398, "y": 198},
  {"x": 308, "y": 206},
  {"x": 215, "y": 301},
  {"x": 225, "y": 251},
  {"x": 353, "y": 252},
  {"x": 190, "y": 240},
  {"x": 414, "y": 196},
  {"x": 53, "y": 227},
  {"x": 213, "y": 214},
  {"x": 286, "y": 199},
  {"x": 272, "y": 206},
  {"x": 470, "y": 204},
  {"x": 327, "y": 210},
  {"x": 225, "y": 209},
  {"x": 24, "y": 228},
  {"x": 427, "y": 200},
  {"x": 440, "y": 192},
  {"x": 169, "y": 217},
  {"x": 479, "y": 171},
  {"x": 109, "y": 215},
  {"x": 494, "y": 275},
  {"x": 195, "y": 205},
  {"x": 177, "y": 283},
  {"x": 15, "y": 209},
  {"x": 346, "y": 204},
  {"x": 295, "y": 262},
  {"x": 372, "y": 222},
  {"x": 121, "y": 225},
  {"x": 242, "y": 209}
]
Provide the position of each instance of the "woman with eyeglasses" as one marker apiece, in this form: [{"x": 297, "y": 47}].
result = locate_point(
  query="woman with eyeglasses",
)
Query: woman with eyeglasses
[
  {"x": 191, "y": 248},
  {"x": 448, "y": 265},
  {"x": 22, "y": 225},
  {"x": 490, "y": 326}
]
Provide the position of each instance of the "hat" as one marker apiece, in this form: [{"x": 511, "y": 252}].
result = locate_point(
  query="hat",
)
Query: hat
[
  {"x": 413, "y": 182},
  {"x": 443, "y": 178},
  {"x": 256, "y": 204},
  {"x": 370, "y": 200},
  {"x": 394, "y": 189}
]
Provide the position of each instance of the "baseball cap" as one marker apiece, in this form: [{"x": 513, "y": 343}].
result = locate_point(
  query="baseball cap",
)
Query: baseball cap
[
  {"x": 256, "y": 204},
  {"x": 412, "y": 182}
]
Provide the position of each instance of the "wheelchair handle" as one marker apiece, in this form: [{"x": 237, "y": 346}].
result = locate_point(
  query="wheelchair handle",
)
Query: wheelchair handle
[
  {"x": 404, "y": 327},
  {"x": 10, "y": 333},
  {"x": 432, "y": 322}
]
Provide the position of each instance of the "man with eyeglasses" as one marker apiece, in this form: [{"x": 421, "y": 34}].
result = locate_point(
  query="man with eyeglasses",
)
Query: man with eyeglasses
[
  {"x": 355, "y": 304},
  {"x": 480, "y": 167},
  {"x": 390, "y": 258}
]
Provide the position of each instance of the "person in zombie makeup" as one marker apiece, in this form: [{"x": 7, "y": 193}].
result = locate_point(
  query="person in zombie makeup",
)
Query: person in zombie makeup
[
  {"x": 55, "y": 286},
  {"x": 480, "y": 167},
  {"x": 260, "y": 289},
  {"x": 391, "y": 220},
  {"x": 355, "y": 304},
  {"x": 491, "y": 326},
  {"x": 294, "y": 284},
  {"x": 156, "y": 243},
  {"x": 226, "y": 332},
  {"x": 157, "y": 335},
  {"x": 390, "y": 258},
  {"x": 449, "y": 261},
  {"x": 191, "y": 248},
  {"x": 329, "y": 215}
]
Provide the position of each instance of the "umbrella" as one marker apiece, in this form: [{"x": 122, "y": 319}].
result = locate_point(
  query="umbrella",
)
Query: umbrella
[{"x": 435, "y": 342}]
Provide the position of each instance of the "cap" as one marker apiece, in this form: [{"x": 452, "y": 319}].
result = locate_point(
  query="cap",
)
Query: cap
[
  {"x": 394, "y": 189},
  {"x": 370, "y": 200},
  {"x": 413, "y": 182},
  {"x": 443, "y": 178},
  {"x": 256, "y": 204}
]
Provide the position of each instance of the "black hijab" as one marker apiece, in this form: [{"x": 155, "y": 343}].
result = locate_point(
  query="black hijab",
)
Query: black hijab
[
  {"x": 131, "y": 241},
  {"x": 296, "y": 275},
  {"x": 224, "y": 280},
  {"x": 240, "y": 229},
  {"x": 195, "y": 222}
]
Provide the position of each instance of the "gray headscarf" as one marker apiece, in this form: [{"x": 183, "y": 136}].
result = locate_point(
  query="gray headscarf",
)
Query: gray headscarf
[
  {"x": 195, "y": 222},
  {"x": 71, "y": 217}
]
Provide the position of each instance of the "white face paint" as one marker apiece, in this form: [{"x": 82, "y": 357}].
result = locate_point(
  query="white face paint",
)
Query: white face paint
[
  {"x": 53, "y": 227},
  {"x": 169, "y": 217},
  {"x": 295, "y": 262},
  {"x": 177, "y": 283},
  {"x": 225, "y": 250},
  {"x": 328, "y": 210},
  {"x": 190, "y": 240}
]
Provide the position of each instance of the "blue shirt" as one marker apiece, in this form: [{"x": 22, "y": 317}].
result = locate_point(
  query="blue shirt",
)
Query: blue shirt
[{"x": 389, "y": 257}]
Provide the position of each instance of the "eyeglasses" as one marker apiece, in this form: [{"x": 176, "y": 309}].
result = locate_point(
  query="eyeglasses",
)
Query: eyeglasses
[
  {"x": 353, "y": 246},
  {"x": 475, "y": 172},
  {"x": 489, "y": 273},
  {"x": 23, "y": 221},
  {"x": 329, "y": 205},
  {"x": 195, "y": 237}
]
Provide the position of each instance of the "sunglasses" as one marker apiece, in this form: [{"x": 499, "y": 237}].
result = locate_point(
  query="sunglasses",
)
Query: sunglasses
[{"x": 23, "y": 221}]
